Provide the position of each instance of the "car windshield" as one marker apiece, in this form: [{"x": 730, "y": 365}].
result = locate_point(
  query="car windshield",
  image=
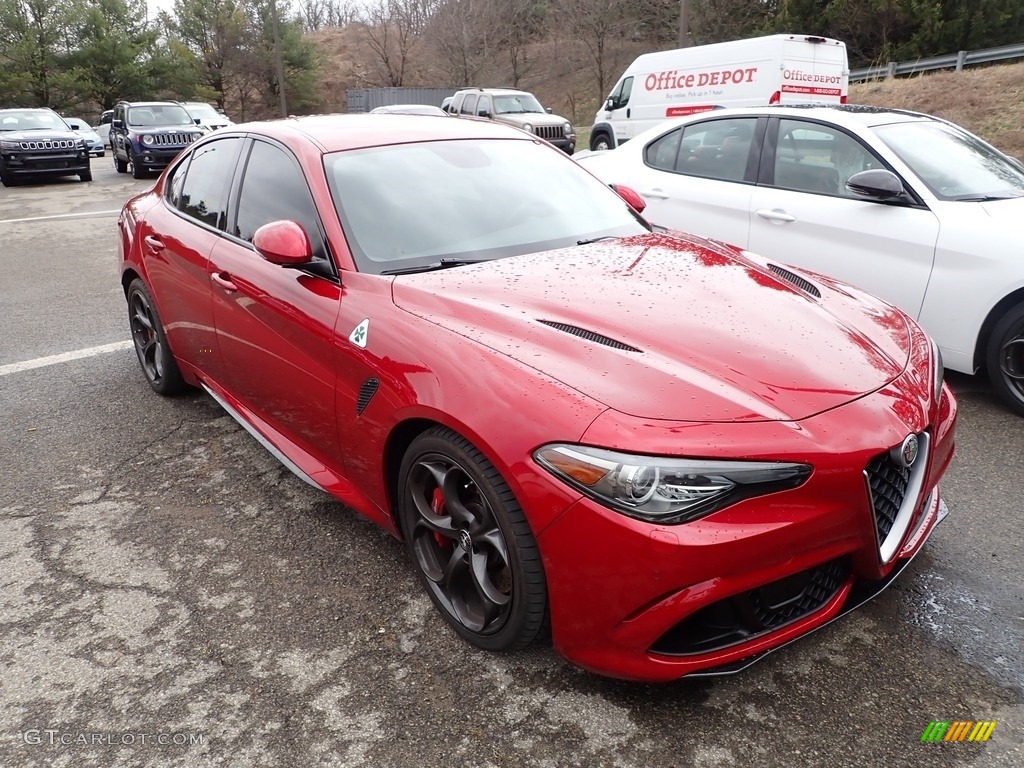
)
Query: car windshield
[
  {"x": 31, "y": 120},
  {"x": 517, "y": 103},
  {"x": 203, "y": 111},
  {"x": 158, "y": 114},
  {"x": 954, "y": 164},
  {"x": 415, "y": 204}
]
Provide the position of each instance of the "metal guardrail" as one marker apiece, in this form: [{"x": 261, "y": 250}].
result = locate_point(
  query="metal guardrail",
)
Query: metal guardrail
[{"x": 955, "y": 61}]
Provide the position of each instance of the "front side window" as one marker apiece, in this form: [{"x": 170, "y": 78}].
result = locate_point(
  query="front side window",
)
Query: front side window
[
  {"x": 484, "y": 106},
  {"x": 204, "y": 190},
  {"x": 812, "y": 157},
  {"x": 469, "y": 105},
  {"x": 954, "y": 164},
  {"x": 273, "y": 188},
  {"x": 620, "y": 96},
  {"x": 414, "y": 204}
]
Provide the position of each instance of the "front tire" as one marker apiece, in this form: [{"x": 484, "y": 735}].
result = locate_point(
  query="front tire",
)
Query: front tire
[
  {"x": 121, "y": 166},
  {"x": 151, "y": 345},
  {"x": 1005, "y": 359},
  {"x": 86, "y": 175},
  {"x": 600, "y": 142},
  {"x": 138, "y": 171},
  {"x": 470, "y": 542}
]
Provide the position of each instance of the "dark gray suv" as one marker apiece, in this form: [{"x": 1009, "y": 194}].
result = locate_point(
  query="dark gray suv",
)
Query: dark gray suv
[{"x": 37, "y": 142}]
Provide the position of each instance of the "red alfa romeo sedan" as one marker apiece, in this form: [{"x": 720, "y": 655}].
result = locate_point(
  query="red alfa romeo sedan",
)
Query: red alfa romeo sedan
[{"x": 676, "y": 454}]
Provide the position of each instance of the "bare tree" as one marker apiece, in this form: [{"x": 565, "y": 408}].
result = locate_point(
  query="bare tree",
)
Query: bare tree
[
  {"x": 520, "y": 22},
  {"x": 465, "y": 33},
  {"x": 598, "y": 25},
  {"x": 322, "y": 14},
  {"x": 393, "y": 29}
]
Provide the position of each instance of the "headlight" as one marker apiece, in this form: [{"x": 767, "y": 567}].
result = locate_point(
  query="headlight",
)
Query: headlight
[
  {"x": 147, "y": 139},
  {"x": 660, "y": 489},
  {"x": 10, "y": 145},
  {"x": 938, "y": 371},
  {"x": 528, "y": 127},
  {"x": 567, "y": 128}
]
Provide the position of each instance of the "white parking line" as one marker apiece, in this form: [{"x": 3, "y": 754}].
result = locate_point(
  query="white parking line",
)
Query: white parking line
[
  {"x": 60, "y": 216},
  {"x": 41, "y": 362}
]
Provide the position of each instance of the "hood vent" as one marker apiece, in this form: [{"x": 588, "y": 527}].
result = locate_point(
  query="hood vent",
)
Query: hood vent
[
  {"x": 583, "y": 333},
  {"x": 804, "y": 285}
]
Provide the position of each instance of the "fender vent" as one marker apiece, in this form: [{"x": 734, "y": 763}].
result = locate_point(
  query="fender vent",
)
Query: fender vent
[
  {"x": 583, "y": 333},
  {"x": 804, "y": 285},
  {"x": 366, "y": 393}
]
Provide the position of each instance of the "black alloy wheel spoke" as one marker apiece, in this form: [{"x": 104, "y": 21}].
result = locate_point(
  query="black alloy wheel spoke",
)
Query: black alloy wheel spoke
[
  {"x": 1013, "y": 361},
  {"x": 483, "y": 583},
  {"x": 427, "y": 517},
  {"x": 496, "y": 541}
]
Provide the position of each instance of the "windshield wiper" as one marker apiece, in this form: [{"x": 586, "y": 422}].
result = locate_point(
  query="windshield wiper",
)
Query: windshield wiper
[
  {"x": 984, "y": 198},
  {"x": 442, "y": 264},
  {"x": 590, "y": 240}
]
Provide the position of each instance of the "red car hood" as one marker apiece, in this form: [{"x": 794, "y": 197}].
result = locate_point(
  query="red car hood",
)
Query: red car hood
[{"x": 692, "y": 330}]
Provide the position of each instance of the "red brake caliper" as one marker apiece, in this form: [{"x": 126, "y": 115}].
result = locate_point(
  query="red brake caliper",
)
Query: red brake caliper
[{"x": 437, "y": 507}]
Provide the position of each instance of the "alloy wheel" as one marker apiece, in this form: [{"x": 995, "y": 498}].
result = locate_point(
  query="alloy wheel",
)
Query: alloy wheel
[{"x": 146, "y": 338}]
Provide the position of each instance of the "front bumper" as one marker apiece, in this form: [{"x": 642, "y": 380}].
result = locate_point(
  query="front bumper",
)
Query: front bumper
[
  {"x": 154, "y": 159},
  {"x": 29, "y": 163},
  {"x": 655, "y": 603}
]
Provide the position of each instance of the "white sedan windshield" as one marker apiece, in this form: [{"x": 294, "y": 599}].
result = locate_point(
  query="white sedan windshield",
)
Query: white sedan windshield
[
  {"x": 954, "y": 164},
  {"x": 414, "y": 204}
]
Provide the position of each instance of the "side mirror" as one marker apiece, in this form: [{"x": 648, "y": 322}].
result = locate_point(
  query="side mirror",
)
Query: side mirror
[
  {"x": 631, "y": 196},
  {"x": 483, "y": 113},
  {"x": 548, "y": 110},
  {"x": 878, "y": 184},
  {"x": 117, "y": 123},
  {"x": 609, "y": 104},
  {"x": 283, "y": 242}
]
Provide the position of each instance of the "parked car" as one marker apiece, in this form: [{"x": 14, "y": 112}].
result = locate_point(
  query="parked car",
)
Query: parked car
[
  {"x": 209, "y": 116},
  {"x": 678, "y": 454},
  {"x": 904, "y": 205},
  {"x": 146, "y": 135},
  {"x": 102, "y": 126},
  {"x": 38, "y": 143},
  {"x": 96, "y": 146},
  {"x": 408, "y": 109},
  {"x": 516, "y": 108}
]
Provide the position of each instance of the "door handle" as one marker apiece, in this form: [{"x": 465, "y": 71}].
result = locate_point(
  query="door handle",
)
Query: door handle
[
  {"x": 776, "y": 216},
  {"x": 655, "y": 193},
  {"x": 223, "y": 279},
  {"x": 155, "y": 243},
  {"x": 627, "y": 112}
]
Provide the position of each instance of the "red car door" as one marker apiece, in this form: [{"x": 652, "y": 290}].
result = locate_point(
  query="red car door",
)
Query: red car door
[
  {"x": 275, "y": 325},
  {"x": 178, "y": 234}
]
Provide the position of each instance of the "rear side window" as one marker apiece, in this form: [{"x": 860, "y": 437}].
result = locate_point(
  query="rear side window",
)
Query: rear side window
[
  {"x": 717, "y": 149},
  {"x": 273, "y": 189},
  {"x": 662, "y": 153},
  {"x": 204, "y": 190}
]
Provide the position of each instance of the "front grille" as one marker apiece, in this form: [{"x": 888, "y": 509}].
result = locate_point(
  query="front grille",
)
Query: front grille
[
  {"x": 888, "y": 482},
  {"x": 51, "y": 144},
  {"x": 744, "y": 616},
  {"x": 176, "y": 139},
  {"x": 549, "y": 131}
]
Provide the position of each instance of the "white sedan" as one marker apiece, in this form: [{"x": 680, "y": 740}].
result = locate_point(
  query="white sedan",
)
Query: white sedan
[{"x": 906, "y": 206}]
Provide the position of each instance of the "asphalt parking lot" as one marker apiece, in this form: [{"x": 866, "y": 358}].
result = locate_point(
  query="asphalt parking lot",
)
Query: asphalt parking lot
[{"x": 170, "y": 595}]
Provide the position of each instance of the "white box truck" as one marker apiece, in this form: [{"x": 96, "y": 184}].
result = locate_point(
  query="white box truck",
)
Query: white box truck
[{"x": 777, "y": 69}]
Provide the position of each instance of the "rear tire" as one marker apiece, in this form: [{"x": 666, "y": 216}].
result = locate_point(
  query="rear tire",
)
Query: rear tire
[
  {"x": 151, "y": 347},
  {"x": 1005, "y": 359}
]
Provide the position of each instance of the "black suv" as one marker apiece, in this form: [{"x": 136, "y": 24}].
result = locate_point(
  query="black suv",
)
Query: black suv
[
  {"x": 147, "y": 135},
  {"x": 37, "y": 142}
]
